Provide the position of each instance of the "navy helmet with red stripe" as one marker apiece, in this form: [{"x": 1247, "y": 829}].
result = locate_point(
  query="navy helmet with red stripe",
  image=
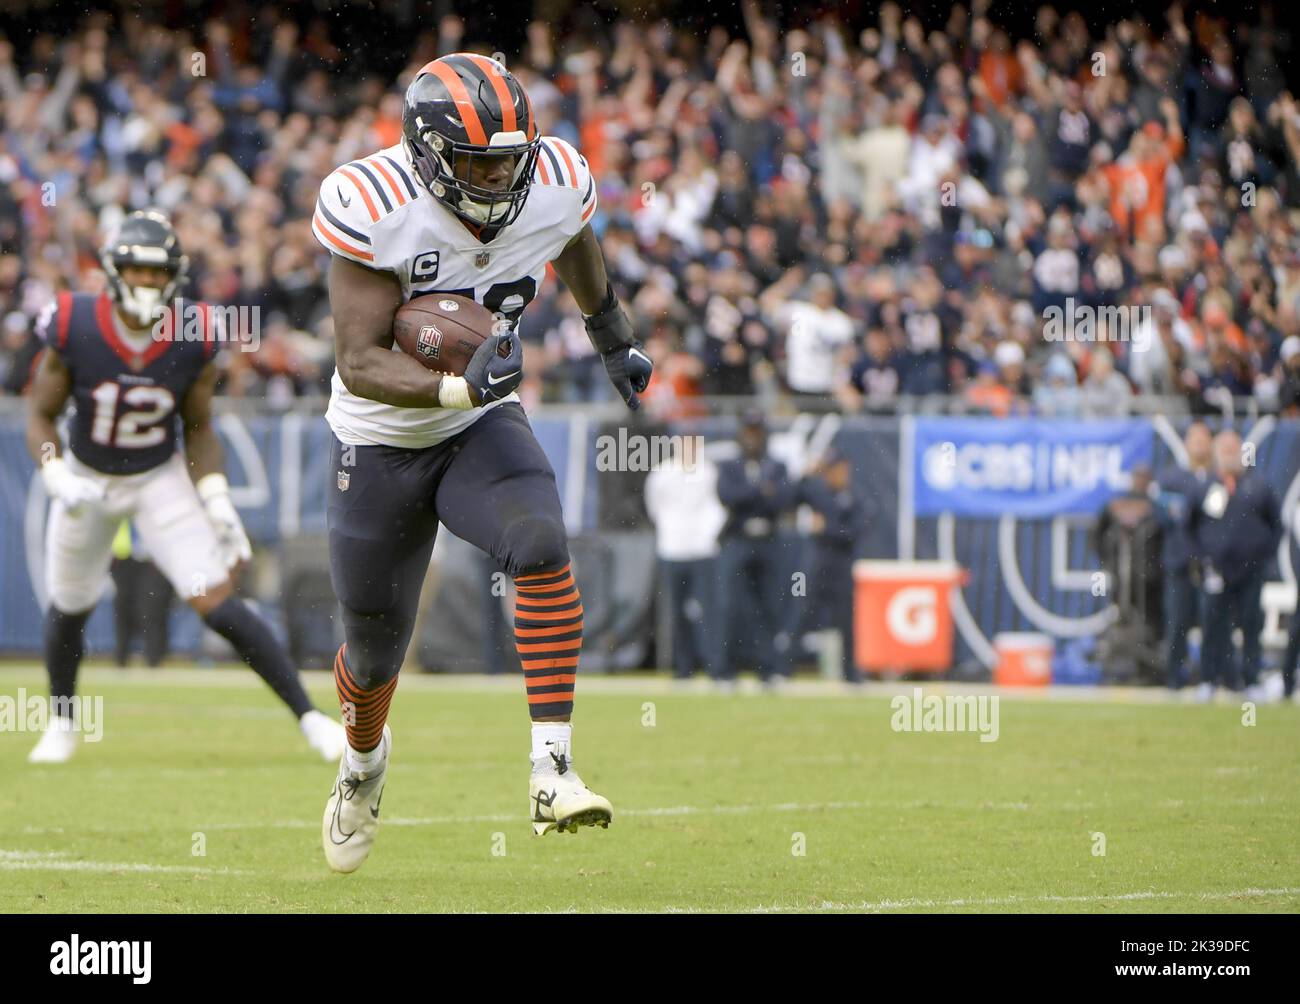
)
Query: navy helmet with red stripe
[{"x": 462, "y": 107}]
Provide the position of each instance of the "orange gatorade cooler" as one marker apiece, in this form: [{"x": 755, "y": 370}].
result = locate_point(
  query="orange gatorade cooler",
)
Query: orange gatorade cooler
[
  {"x": 902, "y": 619},
  {"x": 1024, "y": 659}
]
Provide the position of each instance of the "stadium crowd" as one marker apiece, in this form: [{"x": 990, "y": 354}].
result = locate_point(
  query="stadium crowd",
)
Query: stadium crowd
[{"x": 844, "y": 218}]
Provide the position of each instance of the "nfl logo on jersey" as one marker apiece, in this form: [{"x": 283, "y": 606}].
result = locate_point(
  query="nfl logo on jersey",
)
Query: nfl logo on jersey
[
  {"x": 430, "y": 341},
  {"x": 345, "y": 479}
]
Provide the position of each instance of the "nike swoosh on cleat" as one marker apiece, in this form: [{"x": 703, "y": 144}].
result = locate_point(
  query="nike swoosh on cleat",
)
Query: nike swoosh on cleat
[
  {"x": 335, "y": 828},
  {"x": 374, "y": 812}
]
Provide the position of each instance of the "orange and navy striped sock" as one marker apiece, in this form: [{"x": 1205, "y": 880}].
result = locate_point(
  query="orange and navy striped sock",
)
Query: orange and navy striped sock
[
  {"x": 548, "y": 635},
  {"x": 364, "y": 711}
]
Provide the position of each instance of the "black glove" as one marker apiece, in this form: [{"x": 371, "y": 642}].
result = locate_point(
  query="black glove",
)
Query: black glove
[
  {"x": 610, "y": 332},
  {"x": 496, "y": 369}
]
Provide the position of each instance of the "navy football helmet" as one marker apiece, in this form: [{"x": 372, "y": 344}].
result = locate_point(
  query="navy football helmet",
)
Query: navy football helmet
[
  {"x": 145, "y": 237},
  {"x": 462, "y": 107}
]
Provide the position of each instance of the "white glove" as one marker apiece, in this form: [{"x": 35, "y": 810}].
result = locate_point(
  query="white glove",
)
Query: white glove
[
  {"x": 69, "y": 488},
  {"x": 214, "y": 490}
]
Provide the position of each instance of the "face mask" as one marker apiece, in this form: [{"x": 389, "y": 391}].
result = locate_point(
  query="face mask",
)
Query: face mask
[
  {"x": 487, "y": 213},
  {"x": 484, "y": 212},
  {"x": 143, "y": 303}
]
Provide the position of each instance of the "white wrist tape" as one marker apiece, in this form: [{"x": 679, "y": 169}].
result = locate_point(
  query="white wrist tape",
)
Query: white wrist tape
[
  {"x": 214, "y": 491},
  {"x": 54, "y": 471},
  {"x": 211, "y": 485},
  {"x": 453, "y": 392}
]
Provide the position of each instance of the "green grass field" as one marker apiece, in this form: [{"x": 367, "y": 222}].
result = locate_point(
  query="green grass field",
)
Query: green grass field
[{"x": 1199, "y": 812}]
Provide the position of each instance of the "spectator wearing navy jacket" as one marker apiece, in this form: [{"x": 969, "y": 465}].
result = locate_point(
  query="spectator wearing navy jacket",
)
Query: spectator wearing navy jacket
[
  {"x": 1236, "y": 525},
  {"x": 1177, "y": 491}
]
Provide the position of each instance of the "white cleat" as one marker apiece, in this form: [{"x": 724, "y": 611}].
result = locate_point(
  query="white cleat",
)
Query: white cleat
[
  {"x": 57, "y": 743},
  {"x": 352, "y": 813},
  {"x": 1205, "y": 693},
  {"x": 560, "y": 801},
  {"x": 326, "y": 736}
]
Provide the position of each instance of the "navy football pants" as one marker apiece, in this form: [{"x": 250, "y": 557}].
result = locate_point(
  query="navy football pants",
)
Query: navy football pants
[{"x": 491, "y": 485}]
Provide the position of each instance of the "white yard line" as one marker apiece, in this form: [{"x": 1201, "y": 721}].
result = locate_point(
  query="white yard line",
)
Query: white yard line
[
  {"x": 658, "y": 811},
  {"x": 707, "y": 810},
  {"x": 60, "y": 861},
  {"x": 669, "y": 810},
  {"x": 17, "y": 860},
  {"x": 930, "y": 904}
]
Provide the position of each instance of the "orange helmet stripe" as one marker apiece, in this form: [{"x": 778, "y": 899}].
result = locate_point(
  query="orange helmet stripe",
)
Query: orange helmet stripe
[
  {"x": 489, "y": 67},
  {"x": 456, "y": 87}
]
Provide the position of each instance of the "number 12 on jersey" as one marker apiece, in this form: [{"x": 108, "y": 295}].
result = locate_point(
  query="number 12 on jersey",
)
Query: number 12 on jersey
[{"x": 138, "y": 424}]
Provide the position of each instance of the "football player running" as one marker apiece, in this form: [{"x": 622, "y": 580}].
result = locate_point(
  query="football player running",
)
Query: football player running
[
  {"x": 473, "y": 201},
  {"x": 131, "y": 391}
]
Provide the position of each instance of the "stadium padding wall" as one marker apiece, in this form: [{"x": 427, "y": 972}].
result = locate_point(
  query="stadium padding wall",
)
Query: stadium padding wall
[{"x": 277, "y": 467}]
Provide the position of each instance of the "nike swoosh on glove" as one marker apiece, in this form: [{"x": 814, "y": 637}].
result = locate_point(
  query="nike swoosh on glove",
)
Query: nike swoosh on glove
[
  {"x": 497, "y": 367},
  {"x": 629, "y": 371},
  {"x": 628, "y": 366}
]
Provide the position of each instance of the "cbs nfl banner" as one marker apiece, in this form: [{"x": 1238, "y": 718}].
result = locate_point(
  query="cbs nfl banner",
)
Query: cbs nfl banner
[{"x": 1030, "y": 468}]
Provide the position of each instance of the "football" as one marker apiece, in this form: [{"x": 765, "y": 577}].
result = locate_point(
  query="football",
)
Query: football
[{"x": 442, "y": 330}]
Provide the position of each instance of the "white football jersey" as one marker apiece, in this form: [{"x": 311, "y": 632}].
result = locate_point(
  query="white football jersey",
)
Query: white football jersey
[{"x": 375, "y": 212}]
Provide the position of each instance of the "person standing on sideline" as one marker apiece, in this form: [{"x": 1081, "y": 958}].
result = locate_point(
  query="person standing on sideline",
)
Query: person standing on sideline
[
  {"x": 1236, "y": 525},
  {"x": 1292, "y": 652},
  {"x": 839, "y": 519},
  {"x": 681, "y": 497},
  {"x": 756, "y": 490},
  {"x": 1177, "y": 489}
]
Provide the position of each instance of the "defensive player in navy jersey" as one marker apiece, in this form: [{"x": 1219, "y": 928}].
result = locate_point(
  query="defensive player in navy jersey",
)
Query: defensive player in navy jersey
[{"x": 133, "y": 391}]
